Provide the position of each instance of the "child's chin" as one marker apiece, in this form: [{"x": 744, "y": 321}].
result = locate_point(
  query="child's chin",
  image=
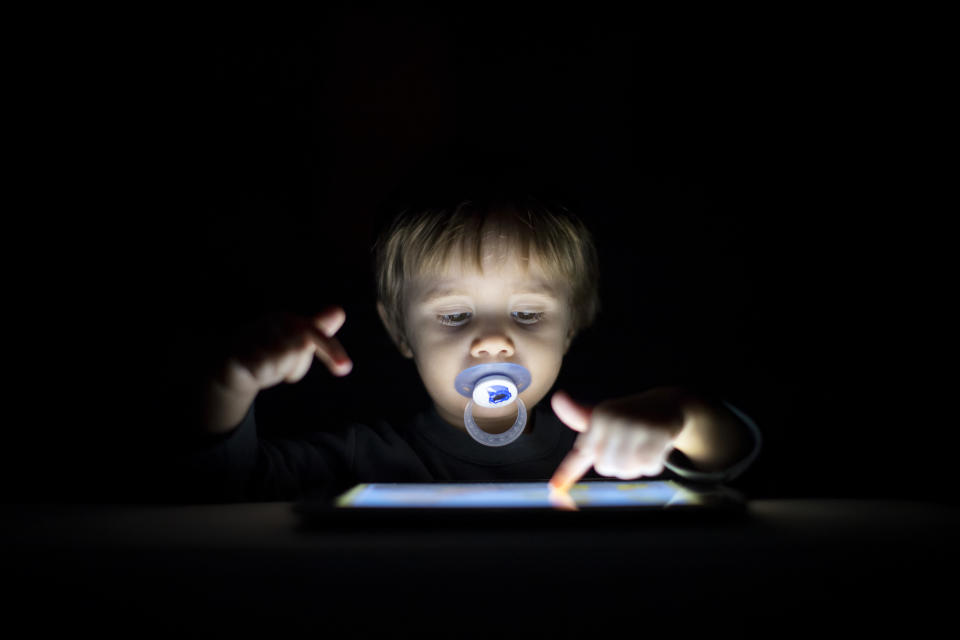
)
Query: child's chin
[{"x": 499, "y": 412}]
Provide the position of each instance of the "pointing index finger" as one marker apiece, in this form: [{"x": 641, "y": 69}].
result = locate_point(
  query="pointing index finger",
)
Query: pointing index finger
[
  {"x": 571, "y": 469},
  {"x": 332, "y": 353}
]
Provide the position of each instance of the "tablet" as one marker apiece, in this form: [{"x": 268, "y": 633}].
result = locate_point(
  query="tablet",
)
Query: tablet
[{"x": 519, "y": 502}]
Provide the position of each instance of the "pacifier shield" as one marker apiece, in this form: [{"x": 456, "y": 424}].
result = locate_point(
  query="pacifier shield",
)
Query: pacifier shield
[{"x": 467, "y": 379}]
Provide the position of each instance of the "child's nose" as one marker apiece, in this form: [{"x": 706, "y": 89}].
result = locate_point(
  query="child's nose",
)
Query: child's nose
[{"x": 492, "y": 345}]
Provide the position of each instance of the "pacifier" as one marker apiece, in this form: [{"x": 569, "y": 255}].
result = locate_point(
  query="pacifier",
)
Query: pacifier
[{"x": 493, "y": 385}]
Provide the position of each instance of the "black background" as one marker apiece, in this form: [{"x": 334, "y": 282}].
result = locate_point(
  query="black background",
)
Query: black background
[{"x": 758, "y": 198}]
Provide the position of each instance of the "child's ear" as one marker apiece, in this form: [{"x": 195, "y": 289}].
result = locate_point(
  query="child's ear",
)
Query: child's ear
[
  {"x": 397, "y": 340},
  {"x": 566, "y": 345}
]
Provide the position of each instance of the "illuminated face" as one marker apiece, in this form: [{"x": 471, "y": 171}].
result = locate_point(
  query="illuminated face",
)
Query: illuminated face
[{"x": 507, "y": 313}]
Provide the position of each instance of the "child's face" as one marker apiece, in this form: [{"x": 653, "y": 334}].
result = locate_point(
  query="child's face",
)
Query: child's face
[{"x": 462, "y": 318}]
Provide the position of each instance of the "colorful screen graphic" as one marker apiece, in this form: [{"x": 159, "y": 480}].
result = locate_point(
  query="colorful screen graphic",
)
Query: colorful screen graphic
[{"x": 515, "y": 494}]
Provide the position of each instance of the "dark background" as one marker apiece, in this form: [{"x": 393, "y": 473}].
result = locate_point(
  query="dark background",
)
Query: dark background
[{"x": 754, "y": 195}]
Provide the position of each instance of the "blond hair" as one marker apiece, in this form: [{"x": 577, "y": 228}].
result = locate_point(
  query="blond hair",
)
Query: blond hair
[{"x": 422, "y": 241}]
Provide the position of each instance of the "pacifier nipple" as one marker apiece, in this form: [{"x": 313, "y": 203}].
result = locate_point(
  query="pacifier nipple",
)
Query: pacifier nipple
[{"x": 493, "y": 385}]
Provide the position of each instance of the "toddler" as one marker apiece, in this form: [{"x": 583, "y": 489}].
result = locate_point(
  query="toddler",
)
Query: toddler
[{"x": 490, "y": 286}]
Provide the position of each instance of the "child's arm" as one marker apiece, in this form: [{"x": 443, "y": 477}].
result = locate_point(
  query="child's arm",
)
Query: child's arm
[
  {"x": 633, "y": 436},
  {"x": 279, "y": 349},
  {"x": 712, "y": 438}
]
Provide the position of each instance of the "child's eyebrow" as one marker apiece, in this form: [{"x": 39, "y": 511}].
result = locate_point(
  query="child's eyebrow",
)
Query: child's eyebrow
[{"x": 538, "y": 287}]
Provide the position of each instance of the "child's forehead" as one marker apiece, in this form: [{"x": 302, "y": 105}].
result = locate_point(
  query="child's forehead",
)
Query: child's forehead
[
  {"x": 511, "y": 274},
  {"x": 501, "y": 253}
]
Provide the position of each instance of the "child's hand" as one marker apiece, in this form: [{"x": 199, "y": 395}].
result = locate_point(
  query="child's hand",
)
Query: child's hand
[
  {"x": 281, "y": 347},
  {"x": 277, "y": 349},
  {"x": 625, "y": 438}
]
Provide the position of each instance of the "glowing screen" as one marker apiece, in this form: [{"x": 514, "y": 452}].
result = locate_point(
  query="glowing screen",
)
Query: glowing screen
[{"x": 514, "y": 494}]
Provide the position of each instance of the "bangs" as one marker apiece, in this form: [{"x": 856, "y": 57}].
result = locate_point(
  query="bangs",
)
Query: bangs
[{"x": 469, "y": 241}]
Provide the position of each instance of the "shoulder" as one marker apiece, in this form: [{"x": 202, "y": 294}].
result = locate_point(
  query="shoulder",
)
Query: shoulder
[{"x": 388, "y": 432}]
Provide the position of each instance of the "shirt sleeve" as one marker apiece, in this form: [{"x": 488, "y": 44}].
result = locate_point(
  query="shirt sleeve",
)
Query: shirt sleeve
[
  {"x": 241, "y": 466},
  {"x": 682, "y": 466}
]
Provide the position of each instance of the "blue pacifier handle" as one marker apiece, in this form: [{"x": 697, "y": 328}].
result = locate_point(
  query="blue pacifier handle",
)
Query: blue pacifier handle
[{"x": 495, "y": 439}]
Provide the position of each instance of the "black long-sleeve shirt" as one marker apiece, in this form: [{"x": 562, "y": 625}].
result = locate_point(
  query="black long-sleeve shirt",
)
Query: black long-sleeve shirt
[{"x": 242, "y": 466}]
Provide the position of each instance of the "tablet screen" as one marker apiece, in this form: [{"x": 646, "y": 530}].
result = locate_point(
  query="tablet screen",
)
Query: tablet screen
[{"x": 515, "y": 494}]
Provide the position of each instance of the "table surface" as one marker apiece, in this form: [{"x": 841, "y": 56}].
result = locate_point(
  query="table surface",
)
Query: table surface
[{"x": 860, "y": 563}]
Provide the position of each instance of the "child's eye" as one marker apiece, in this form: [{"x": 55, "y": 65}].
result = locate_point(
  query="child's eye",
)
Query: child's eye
[
  {"x": 528, "y": 317},
  {"x": 460, "y": 319},
  {"x": 454, "y": 319}
]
